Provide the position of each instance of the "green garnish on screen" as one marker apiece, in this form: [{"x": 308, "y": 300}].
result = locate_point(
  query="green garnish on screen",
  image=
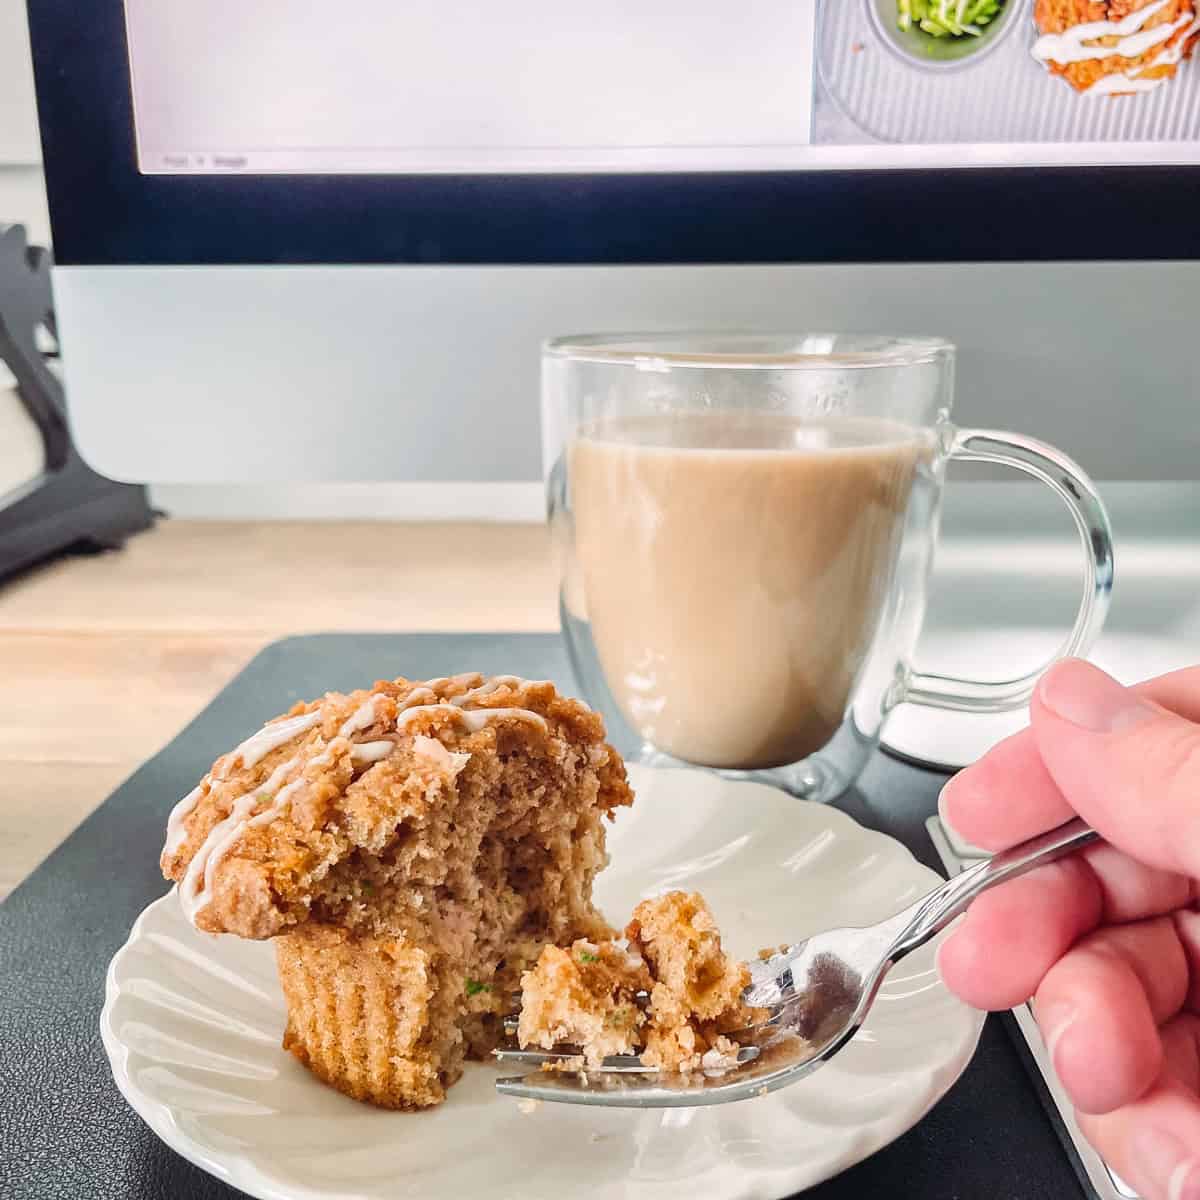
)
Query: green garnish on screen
[
  {"x": 586, "y": 957},
  {"x": 947, "y": 18},
  {"x": 368, "y": 886},
  {"x": 474, "y": 987}
]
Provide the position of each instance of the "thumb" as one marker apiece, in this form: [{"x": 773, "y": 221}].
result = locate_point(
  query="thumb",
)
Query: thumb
[{"x": 1128, "y": 766}]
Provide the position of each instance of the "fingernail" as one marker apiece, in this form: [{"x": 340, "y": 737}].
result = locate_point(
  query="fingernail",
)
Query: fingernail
[
  {"x": 940, "y": 952},
  {"x": 937, "y": 958},
  {"x": 942, "y": 803},
  {"x": 1164, "y": 1160},
  {"x": 1054, "y": 1020},
  {"x": 1085, "y": 696},
  {"x": 958, "y": 789}
]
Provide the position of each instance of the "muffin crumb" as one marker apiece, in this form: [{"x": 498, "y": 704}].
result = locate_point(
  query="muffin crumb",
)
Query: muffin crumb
[{"x": 668, "y": 993}]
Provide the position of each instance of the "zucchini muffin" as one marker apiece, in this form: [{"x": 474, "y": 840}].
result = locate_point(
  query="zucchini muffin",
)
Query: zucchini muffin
[
  {"x": 410, "y": 849},
  {"x": 669, "y": 993}
]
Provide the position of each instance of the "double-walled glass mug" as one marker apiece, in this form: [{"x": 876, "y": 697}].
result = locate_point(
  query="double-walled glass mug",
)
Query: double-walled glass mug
[{"x": 746, "y": 525}]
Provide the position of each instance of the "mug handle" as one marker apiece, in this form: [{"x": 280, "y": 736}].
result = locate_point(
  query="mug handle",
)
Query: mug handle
[{"x": 1068, "y": 480}]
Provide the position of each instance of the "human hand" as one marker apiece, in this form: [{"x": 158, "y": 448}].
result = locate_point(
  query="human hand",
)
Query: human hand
[{"x": 1106, "y": 942}]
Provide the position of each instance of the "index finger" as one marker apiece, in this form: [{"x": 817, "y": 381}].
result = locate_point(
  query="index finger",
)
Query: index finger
[{"x": 1008, "y": 795}]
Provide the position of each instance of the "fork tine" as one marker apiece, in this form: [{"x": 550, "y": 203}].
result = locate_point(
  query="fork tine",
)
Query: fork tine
[
  {"x": 535, "y": 1058},
  {"x": 619, "y": 1063},
  {"x": 641, "y": 1088}
]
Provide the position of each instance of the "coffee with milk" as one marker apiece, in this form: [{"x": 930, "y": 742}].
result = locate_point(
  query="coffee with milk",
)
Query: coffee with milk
[{"x": 735, "y": 565}]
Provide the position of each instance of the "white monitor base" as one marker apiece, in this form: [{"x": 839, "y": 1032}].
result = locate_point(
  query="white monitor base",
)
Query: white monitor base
[{"x": 950, "y": 740}]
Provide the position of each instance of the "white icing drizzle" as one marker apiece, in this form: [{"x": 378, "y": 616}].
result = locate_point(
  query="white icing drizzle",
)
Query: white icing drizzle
[
  {"x": 176, "y": 827},
  {"x": 476, "y": 718},
  {"x": 486, "y": 689},
  {"x": 195, "y": 892},
  {"x": 371, "y": 752},
  {"x": 276, "y": 778},
  {"x": 280, "y": 805},
  {"x": 251, "y": 752},
  {"x": 176, "y": 822},
  {"x": 473, "y": 718},
  {"x": 323, "y": 759},
  {"x": 362, "y": 716},
  {"x": 367, "y": 713},
  {"x": 494, "y": 685},
  {"x": 1133, "y": 39},
  {"x": 270, "y": 737},
  {"x": 467, "y": 677},
  {"x": 408, "y": 715}
]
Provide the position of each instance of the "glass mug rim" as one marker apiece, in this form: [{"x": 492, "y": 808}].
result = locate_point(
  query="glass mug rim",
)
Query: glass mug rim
[{"x": 774, "y": 350}]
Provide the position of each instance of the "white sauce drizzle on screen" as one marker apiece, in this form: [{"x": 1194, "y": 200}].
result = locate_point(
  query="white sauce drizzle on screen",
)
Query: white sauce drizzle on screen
[
  {"x": 1133, "y": 39},
  {"x": 196, "y": 890},
  {"x": 1120, "y": 85}
]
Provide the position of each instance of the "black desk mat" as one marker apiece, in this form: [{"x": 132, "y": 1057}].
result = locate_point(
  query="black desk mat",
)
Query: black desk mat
[{"x": 65, "y": 1131}]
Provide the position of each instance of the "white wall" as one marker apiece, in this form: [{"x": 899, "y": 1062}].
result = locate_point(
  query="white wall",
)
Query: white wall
[
  {"x": 22, "y": 196},
  {"x": 22, "y": 201},
  {"x": 18, "y": 124}
]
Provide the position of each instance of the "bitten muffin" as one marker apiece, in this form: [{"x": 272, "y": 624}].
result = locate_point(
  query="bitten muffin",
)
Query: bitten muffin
[
  {"x": 411, "y": 849},
  {"x": 670, "y": 993}
]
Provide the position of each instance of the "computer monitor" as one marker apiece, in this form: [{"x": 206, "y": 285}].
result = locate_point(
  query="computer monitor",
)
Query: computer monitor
[{"x": 324, "y": 241}]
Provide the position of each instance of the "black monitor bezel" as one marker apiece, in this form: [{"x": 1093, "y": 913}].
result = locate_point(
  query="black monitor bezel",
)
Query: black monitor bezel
[{"x": 105, "y": 212}]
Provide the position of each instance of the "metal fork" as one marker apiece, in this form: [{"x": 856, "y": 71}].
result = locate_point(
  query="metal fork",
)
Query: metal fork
[{"x": 817, "y": 993}]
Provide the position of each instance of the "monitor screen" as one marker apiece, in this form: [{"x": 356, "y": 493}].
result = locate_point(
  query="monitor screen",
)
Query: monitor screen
[
  {"x": 774, "y": 131},
  {"x": 263, "y": 86}
]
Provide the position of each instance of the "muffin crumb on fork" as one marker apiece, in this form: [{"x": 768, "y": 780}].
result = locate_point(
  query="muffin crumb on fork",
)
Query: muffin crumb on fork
[{"x": 669, "y": 993}]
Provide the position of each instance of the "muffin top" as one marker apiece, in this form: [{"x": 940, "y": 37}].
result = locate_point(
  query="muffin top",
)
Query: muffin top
[{"x": 252, "y": 844}]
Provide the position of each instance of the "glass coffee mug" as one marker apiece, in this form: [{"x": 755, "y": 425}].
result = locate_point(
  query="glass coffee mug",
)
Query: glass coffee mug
[{"x": 746, "y": 526}]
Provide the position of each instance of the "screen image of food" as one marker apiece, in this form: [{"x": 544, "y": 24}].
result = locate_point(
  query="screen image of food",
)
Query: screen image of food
[
  {"x": 810, "y": 85},
  {"x": 1110, "y": 80}
]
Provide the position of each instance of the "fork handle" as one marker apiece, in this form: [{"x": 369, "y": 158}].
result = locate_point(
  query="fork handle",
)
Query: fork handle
[{"x": 934, "y": 912}]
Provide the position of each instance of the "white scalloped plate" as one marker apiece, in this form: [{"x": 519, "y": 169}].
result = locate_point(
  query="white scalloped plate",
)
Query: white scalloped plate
[{"x": 192, "y": 1026}]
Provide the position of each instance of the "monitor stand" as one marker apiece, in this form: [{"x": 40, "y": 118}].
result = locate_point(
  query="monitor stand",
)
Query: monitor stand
[
  {"x": 948, "y": 741},
  {"x": 67, "y": 505}
]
